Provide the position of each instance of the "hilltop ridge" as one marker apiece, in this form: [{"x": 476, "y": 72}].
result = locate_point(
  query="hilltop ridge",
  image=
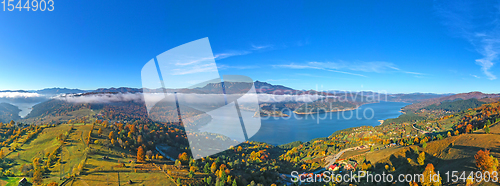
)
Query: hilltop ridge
[{"x": 438, "y": 100}]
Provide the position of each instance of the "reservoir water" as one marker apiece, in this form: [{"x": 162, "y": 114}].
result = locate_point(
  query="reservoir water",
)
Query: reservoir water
[
  {"x": 278, "y": 130},
  {"x": 25, "y": 108},
  {"x": 304, "y": 128}
]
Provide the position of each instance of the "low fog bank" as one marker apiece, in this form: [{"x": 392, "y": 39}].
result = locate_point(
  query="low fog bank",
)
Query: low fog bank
[
  {"x": 26, "y": 100},
  {"x": 101, "y": 98},
  {"x": 193, "y": 98},
  {"x": 23, "y": 100},
  {"x": 22, "y": 97}
]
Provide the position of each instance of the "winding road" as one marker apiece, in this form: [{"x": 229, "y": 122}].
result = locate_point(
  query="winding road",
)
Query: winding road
[
  {"x": 331, "y": 160},
  {"x": 420, "y": 130}
]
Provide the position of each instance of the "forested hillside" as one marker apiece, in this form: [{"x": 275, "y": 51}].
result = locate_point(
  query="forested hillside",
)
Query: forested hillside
[
  {"x": 464, "y": 96},
  {"x": 8, "y": 112},
  {"x": 456, "y": 105}
]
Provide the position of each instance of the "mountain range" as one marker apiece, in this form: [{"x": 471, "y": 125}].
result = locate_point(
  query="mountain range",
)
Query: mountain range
[
  {"x": 260, "y": 87},
  {"x": 351, "y": 99}
]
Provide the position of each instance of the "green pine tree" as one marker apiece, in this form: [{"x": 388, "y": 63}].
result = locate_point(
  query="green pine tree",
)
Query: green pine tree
[
  {"x": 218, "y": 161},
  {"x": 206, "y": 169},
  {"x": 209, "y": 180},
  {"x": 223, "y": 176}
]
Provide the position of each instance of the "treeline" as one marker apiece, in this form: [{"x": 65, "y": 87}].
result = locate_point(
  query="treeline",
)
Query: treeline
[
  {"x": 408, "y": 117},
  {"x": 290, "y": 145},
  {"x": 456, "y": 105},
  {"x": 55, "y": 108}
]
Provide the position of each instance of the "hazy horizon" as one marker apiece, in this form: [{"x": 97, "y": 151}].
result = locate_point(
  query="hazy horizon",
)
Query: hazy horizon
[{"x": 380, "y": 91}]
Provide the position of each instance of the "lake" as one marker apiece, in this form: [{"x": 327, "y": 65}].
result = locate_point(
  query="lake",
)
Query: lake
[
  {"x": 25, "y": 108},
  {"x": 304, "y": 128},
  {"x": 280, "y": 130}
]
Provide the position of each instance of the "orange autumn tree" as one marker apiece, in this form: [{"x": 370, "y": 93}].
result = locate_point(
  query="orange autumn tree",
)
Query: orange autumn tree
[
  {"x": 430, "y": 177},
  {"x": 184, "y": 158},
  {"x": 111, "y": 135},
  {"x": 421, "y": 158},
  {"x": 140, "y": 154},
  {"x": 486, "y": 162},
  {"x": 413, "y": 184},
  {"x": 468, "y": 128},
  {"x": 132, "y": 128},
  {"x": 213, "y": 168}
]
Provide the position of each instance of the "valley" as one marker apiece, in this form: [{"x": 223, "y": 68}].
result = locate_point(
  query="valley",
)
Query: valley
[{"x": 115, "y": 143}]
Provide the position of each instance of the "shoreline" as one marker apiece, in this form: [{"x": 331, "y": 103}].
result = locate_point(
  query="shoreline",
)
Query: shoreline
[
  {"x": 280, "y": 115},
  {"x": 347, "y": 109}
]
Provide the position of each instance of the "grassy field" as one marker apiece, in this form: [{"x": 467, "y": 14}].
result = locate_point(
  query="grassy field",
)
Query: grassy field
[
  {"x": 112, "y": 166},
  {"x": 83, "y": 112},
  {"x": 122, "y": 177},
  {"x": 45, "y": 142},
  {"x": 9, "y": 181},
  {"x": 72, "y": 153},
  {"x": 97, "y": 170}
]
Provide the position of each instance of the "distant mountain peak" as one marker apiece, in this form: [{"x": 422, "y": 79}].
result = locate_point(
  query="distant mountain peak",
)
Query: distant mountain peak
[
  {"x": 57, "y": 90},
  {"x": 264, "y": 87},
  {"x": 118, "y": 90}
]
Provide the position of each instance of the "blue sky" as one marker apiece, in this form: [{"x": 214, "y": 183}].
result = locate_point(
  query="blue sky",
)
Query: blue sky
[{"x": 393, "y": 46}]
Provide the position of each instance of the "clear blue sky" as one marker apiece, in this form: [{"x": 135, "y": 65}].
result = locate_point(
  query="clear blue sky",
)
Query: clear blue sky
[{"x": 394, "y": 46}]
